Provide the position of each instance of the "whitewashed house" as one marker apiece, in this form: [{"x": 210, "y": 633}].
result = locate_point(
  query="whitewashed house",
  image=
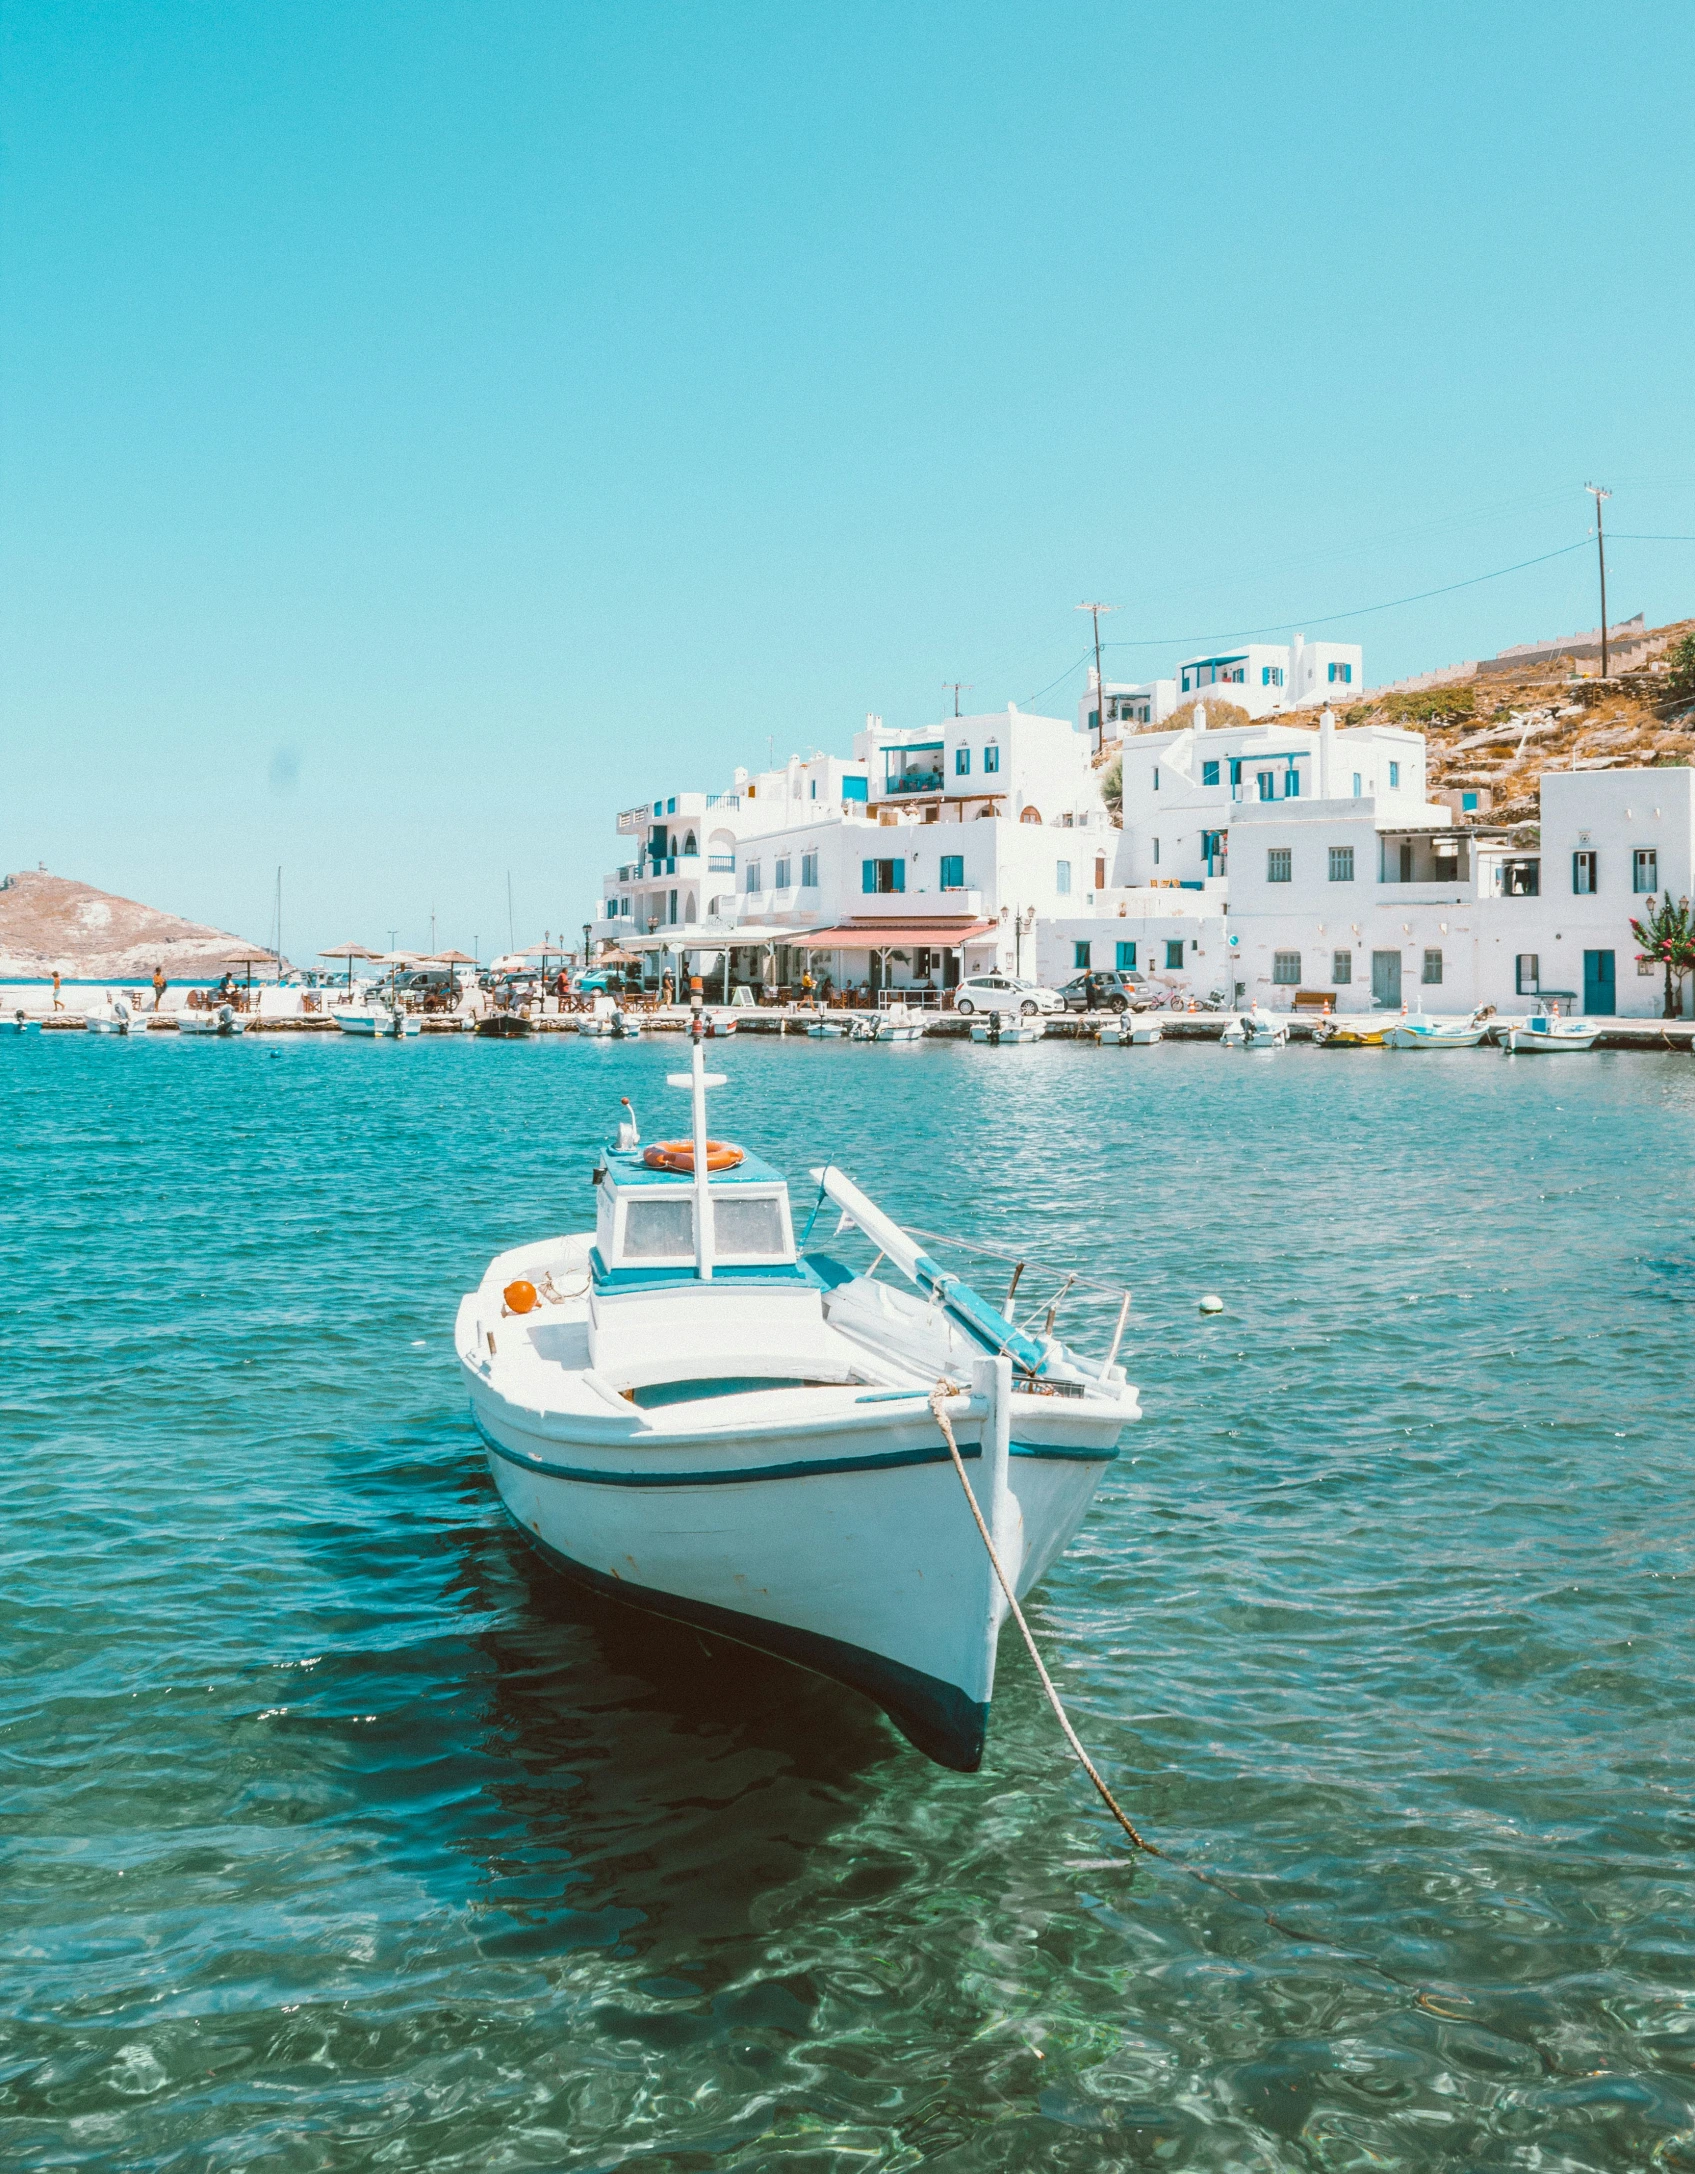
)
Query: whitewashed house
[{"x": 1261, "y": 677}]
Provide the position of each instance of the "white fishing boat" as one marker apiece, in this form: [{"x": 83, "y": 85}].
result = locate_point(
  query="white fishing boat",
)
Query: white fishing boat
[
  {"x": 685, "y": 1413},
  {"x": 1008, "y": 1027},
  {"x": 1419, "y": 1033},
  {"x": 610, "y": 1022},
  {"x": 899, "y": 1023},
  {"x": 1255, "y": 1029},
  {"x": 834, "y": 1029},
  {"x": 381, "y": 1022},
  {"x": 117, "y": 1017},
  {"x": 1547, "y": 1034},
  {"x": 224, "y": 1020}
]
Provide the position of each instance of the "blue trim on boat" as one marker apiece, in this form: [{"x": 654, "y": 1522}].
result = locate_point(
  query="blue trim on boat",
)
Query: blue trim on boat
[
  {"x": 936, "y": 1717},
  {"x": 800, "y": 1469},
  {"x": 738, "y": 1476},
  {"x": 683, "y": 1275}
]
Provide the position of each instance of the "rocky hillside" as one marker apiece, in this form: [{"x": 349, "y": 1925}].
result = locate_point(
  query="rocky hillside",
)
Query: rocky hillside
[
  {"x": 49, "y": 922},
  {"x": 1496, "y": 732}
]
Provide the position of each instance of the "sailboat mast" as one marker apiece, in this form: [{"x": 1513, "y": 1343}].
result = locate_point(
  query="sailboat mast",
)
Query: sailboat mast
[{"x": 702, "y": 1189}]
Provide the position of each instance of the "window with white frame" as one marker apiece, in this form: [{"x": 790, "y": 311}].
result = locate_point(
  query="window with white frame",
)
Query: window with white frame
[
  {"x": 1341, "y": 864},
  {"x": 1585, "y": 873},
  {"x": 1341, "y": 675},
  {"x": 1645, "y": 870},
  {"x": 1432, "y": 968},
  {"x": 1286, "y": 969},
  {"x": 1271, "y": 675},
  {"x": 1279, "y": 864},
  {"x": 1341, "y": 968}
]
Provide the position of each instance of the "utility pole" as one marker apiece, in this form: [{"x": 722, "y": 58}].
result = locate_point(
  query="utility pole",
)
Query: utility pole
[
  {"x": 1600, "y": 496},
  {"x": 1094, "y": 611},
  {"x": 958, "y": 686}
]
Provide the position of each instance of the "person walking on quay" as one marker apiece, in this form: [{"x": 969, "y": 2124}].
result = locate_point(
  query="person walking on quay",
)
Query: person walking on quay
[
  {"x": 158, "y": 987},
  {"x": 58, "y": 1000},
  {"x": 666, "y": 986}
]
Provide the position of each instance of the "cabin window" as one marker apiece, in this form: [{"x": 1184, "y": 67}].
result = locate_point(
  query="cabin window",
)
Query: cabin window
[
  {"x": 1645, "y": 871},
  {"x": 1585, "y": 867},
  {"x": 953, "y": 871},
  {"x": 1341, "y": 968},
  {"x": 809, "y": 871},
  {"x": 1279, "y": 864},
  {"x": 1209, "y": 773},
  {"x": 1432, "y": 967},
  {"x": 660, "y": 1230},
  {"x": 1341, "y": 864},
  {"x": 1127, "y": 958},
  {"x": 1286, "y": 968},
  {"x": 748, "y": 1226}
]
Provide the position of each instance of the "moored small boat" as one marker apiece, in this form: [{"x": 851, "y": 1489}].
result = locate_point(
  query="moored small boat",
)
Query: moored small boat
[
  {"x": 378, "y": 1022},
  {"x": 1008, "y": 1027},
  {"x": 117, "y": 1017},
  {"x": 684, "y": 1412},
  {"x": 1417, "y": 1033},
  {"x": 1549, "y": 1035},
  {"x": 1254, "y": 1030},
  {"x": 224, "y": 1020},
  {"x": 20, "y": 1023},
  {"x": 1332, "y": 1034}
]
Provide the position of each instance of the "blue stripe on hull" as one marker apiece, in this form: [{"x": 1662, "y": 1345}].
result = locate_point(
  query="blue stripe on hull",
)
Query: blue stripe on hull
[
  {"x": 937, "y": 1718},
  {"x": 801, "y": 1469}
]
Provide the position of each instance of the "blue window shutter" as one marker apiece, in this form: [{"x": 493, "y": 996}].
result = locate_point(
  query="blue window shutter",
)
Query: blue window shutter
[
  {"x": 868, "y": 875},
  {"x": 898, "y": 869}
]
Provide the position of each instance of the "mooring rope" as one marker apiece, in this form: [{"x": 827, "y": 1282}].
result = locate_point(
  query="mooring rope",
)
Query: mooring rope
[{"x": 938, "y": 1406}]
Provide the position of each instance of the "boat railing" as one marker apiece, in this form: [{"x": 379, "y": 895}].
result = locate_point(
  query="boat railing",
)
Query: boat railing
[{"x": 1059, "y": 1287}]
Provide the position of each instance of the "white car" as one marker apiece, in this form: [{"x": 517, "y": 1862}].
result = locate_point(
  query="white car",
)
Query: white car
[{"x": 1005, "y": 993}]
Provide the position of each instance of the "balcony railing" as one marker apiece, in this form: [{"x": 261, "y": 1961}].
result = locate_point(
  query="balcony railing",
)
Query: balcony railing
[
  {"x": 913, "y": 781},
  {"x": 723, "y": 800},
  {"x": 720, "y": 864}
]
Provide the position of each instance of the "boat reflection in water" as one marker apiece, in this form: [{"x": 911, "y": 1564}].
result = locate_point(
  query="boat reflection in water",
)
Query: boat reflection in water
[{"x": 684, "y": 1412}]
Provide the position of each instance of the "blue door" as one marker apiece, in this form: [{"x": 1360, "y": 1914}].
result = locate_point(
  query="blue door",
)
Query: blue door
[{"x": 1600, "y": 993}]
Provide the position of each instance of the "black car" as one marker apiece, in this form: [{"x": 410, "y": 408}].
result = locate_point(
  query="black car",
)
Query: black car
[{"x": 1105, "y": 992}]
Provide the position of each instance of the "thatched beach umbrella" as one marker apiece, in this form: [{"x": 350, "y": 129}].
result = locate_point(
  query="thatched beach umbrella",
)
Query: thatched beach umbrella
[{"x": 349, "y": 952}]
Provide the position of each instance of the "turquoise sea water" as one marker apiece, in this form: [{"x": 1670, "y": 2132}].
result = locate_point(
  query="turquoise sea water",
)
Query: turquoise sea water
[{"x": 337, "y": 1835}]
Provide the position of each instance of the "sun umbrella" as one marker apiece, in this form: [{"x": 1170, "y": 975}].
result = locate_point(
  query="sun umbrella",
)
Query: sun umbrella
[{"x": 349, "y": 952}]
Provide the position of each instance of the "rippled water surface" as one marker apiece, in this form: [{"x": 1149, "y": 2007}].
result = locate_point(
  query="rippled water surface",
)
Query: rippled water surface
[{"x": 337, "y": 1835}]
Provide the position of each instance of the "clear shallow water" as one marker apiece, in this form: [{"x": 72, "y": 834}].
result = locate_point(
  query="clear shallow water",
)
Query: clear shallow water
[{"x": 338, "y": 1836}]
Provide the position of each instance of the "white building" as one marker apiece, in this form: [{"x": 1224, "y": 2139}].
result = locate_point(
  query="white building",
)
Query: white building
[
  {"x": 1130, "y": 707},
  {"x": 1261, "y": 677},
  {"x": 1376, "y": 910}
]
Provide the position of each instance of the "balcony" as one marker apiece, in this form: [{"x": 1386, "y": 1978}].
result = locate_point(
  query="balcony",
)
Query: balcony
[
  {"x": 911, "y": 781},
  {"x": 721, "y": 864}
]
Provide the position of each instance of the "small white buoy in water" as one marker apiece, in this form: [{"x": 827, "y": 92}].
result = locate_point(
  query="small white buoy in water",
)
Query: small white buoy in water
[{"x": 1212, "y": 1303}]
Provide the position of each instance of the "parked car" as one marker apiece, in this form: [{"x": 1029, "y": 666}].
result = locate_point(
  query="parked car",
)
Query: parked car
[
  {"x": 1121, "y": 989},
  {"x": 1004, "y": 993}
]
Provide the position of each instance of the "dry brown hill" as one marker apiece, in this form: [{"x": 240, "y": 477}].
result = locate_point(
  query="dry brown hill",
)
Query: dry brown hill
[{"x": 89, "y": 935}]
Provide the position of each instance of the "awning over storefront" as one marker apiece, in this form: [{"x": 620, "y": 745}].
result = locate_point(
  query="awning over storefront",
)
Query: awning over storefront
[{"x": 895, "y": 935}]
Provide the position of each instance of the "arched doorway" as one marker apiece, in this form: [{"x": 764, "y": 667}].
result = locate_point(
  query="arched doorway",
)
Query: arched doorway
[{"x": 1031, "y": 815}]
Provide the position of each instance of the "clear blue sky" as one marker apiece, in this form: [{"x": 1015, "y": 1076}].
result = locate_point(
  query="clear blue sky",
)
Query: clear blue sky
[{"x": 425, "y": 429}]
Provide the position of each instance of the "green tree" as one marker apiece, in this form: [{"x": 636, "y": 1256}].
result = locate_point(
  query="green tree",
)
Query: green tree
[
  {"x": 1680, "y": 682},
  {"x": 1112, "y": 785},
  {"x": 1667, "y": 936}
]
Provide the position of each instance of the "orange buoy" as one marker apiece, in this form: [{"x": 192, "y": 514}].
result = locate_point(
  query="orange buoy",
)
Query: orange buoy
[
  {"x": 679, "y": 1155},
  {"x": 520, "y": 1297}
]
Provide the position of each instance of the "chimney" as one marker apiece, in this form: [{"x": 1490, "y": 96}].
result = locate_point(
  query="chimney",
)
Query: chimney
[
  {"x": 1326, "y": 749},
  {"x": 1199, "y": 721}
]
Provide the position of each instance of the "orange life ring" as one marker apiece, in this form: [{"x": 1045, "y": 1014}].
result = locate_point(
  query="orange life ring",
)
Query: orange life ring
[{"x": 679, "y": 1155}]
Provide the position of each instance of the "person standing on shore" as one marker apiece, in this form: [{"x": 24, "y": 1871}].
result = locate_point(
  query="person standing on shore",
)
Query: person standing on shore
[
  {"x": 58, "y": 1000},
  {"x": 158, "y": 987}
]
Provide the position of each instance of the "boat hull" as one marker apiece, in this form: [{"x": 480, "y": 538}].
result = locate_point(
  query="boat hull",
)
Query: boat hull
[
  {"x": 385, "y": 1027},
  {"x": 1409, "y": 1037},
  {"x": 851, "y": 1552},
  {"x": 1523, "y": 1040}
]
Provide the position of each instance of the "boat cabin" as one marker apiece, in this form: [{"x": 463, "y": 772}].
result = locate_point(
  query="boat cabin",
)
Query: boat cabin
[{"x": 656, "y": 1311}]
